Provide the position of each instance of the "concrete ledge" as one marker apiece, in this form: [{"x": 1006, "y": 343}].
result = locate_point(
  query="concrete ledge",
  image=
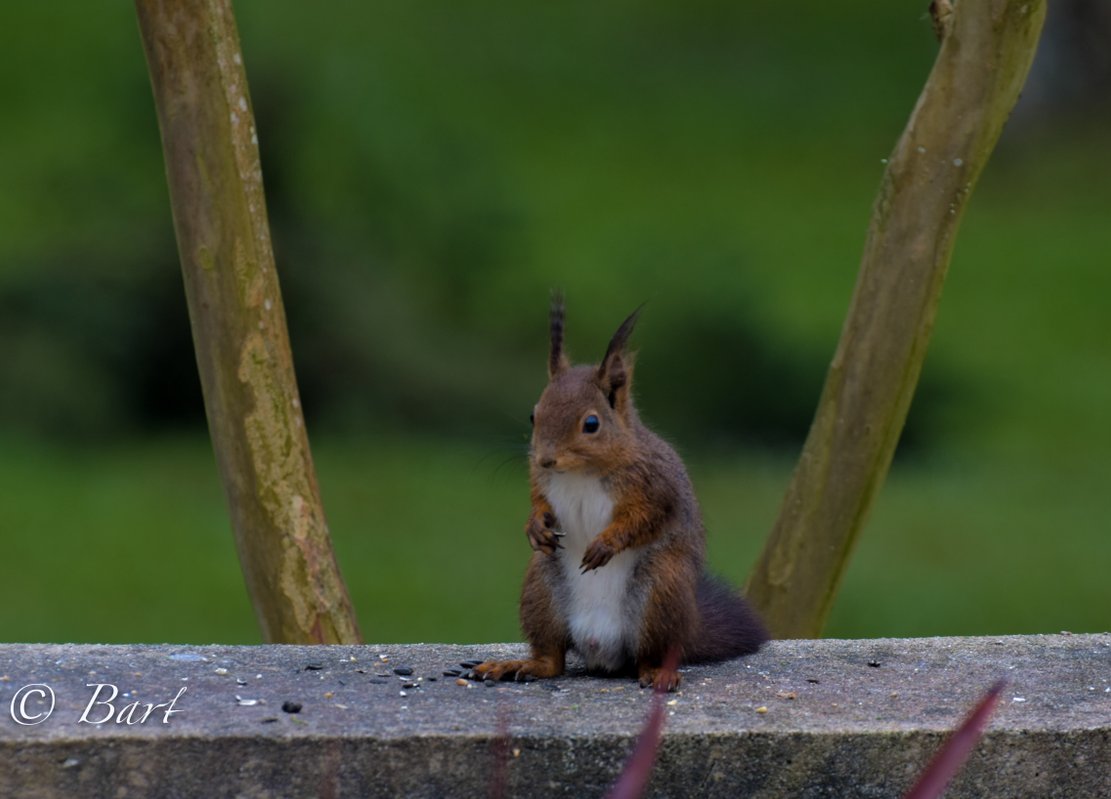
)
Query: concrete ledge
[{"x": 842, "y": 718}]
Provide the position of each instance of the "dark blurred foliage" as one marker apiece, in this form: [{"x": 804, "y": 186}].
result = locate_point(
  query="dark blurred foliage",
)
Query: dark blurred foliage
[
  {"x": 1074, "y": 69},
  {"x": 402, "y": 183},
  {"x": 94, "y": 355},
  {"x": 91, "y": 355}
]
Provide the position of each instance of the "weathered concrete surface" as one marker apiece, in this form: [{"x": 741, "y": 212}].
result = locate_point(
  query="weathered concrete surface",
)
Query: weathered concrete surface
[{"x": 843, "y": 718}]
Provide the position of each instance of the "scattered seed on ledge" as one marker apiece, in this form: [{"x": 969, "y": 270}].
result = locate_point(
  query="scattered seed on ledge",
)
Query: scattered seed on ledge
[
  {"x": 410, "y": 685},
  {"x": 377, "y": 681},
  {"x": 470, "y": 664},
  {"x": 875, "y": 664},
  {"x": 314, "y": 666},
  {"x": 291, "y": 707},
  {"x": 762, "y": 709},
  {"x": 246, "y": 702},
  {"x": 221, "y": 671},
  {"x": 461, "y": 681},
  {"x": 403, "y": 671},
  {"x": 452, "y": 672},
  {"x": 489, "y": 682}
]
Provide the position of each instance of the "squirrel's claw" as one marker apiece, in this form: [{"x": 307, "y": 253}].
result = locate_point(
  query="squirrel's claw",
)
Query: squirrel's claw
[
  {"x": 541, "y": 538},
  {"x": 598, "y": 554},
  {"x": 661, "y": 679}
]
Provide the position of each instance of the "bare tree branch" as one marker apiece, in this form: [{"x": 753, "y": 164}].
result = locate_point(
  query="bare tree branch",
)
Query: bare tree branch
[
  {"x": 986, "y": 52},
  {"x": 239, "y": 327}
]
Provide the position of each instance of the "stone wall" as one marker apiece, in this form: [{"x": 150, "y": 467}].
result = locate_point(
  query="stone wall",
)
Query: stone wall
[{"x": 822, "y": 718}]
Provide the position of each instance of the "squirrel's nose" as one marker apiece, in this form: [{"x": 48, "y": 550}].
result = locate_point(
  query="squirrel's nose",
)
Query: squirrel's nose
[{"x": 547, "y": 463}]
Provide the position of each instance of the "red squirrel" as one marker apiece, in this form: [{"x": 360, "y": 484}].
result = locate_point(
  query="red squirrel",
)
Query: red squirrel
[{"x": 617, "y": 571}]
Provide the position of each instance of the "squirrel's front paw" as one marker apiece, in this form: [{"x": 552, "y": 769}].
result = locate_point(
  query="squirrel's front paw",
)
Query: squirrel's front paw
[
  {"x": 598, "y": 554},
  {"x": 541, "y": 536}
]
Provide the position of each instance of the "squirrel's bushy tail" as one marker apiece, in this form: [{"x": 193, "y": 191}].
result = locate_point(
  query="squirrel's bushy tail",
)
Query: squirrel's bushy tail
[{"x": 730, "y": 627}]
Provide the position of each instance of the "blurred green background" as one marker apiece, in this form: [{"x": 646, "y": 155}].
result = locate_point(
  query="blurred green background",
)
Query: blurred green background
[{"x": 433, "y": 170}]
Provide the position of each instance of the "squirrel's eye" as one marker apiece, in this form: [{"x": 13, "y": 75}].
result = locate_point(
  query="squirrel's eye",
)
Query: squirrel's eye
[
  {"x": 591, "y": 424},
  {"x": 532, "y": 418}
]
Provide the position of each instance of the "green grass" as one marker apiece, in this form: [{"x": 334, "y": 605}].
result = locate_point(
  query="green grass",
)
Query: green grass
[
  {"x": 133, "y": 544},
  {"x": 118, "y": 545}
]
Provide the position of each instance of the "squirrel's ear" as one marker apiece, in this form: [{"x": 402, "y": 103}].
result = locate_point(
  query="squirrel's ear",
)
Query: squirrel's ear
[
  {"x": 616, "y": 371},
  {"x": 557, "y": 360}
]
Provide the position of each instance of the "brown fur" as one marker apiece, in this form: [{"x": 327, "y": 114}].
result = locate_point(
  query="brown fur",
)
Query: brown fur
[
  {"x": 557, "y": 361},
  {"x": 655, "y": 513}
]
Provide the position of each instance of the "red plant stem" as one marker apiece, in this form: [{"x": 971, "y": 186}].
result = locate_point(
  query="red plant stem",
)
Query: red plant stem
[
  {"x": 949, "y": 759},
  {"x": 634, "y": 777}
]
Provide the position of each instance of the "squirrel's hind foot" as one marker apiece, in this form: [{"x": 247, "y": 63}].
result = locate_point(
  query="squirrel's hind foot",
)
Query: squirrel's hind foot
[
  {"x": 519, "y": 670},
  {"x": 660, "y": 678}
]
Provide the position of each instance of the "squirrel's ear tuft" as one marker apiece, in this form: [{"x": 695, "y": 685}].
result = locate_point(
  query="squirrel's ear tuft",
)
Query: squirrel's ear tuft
[
  {"x": 615, "y": 372},
  {"x": 557, "y": 360}
]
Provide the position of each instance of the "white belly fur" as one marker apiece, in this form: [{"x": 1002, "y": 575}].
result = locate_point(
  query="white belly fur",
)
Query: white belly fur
[{"x": 601, "y": 631}]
